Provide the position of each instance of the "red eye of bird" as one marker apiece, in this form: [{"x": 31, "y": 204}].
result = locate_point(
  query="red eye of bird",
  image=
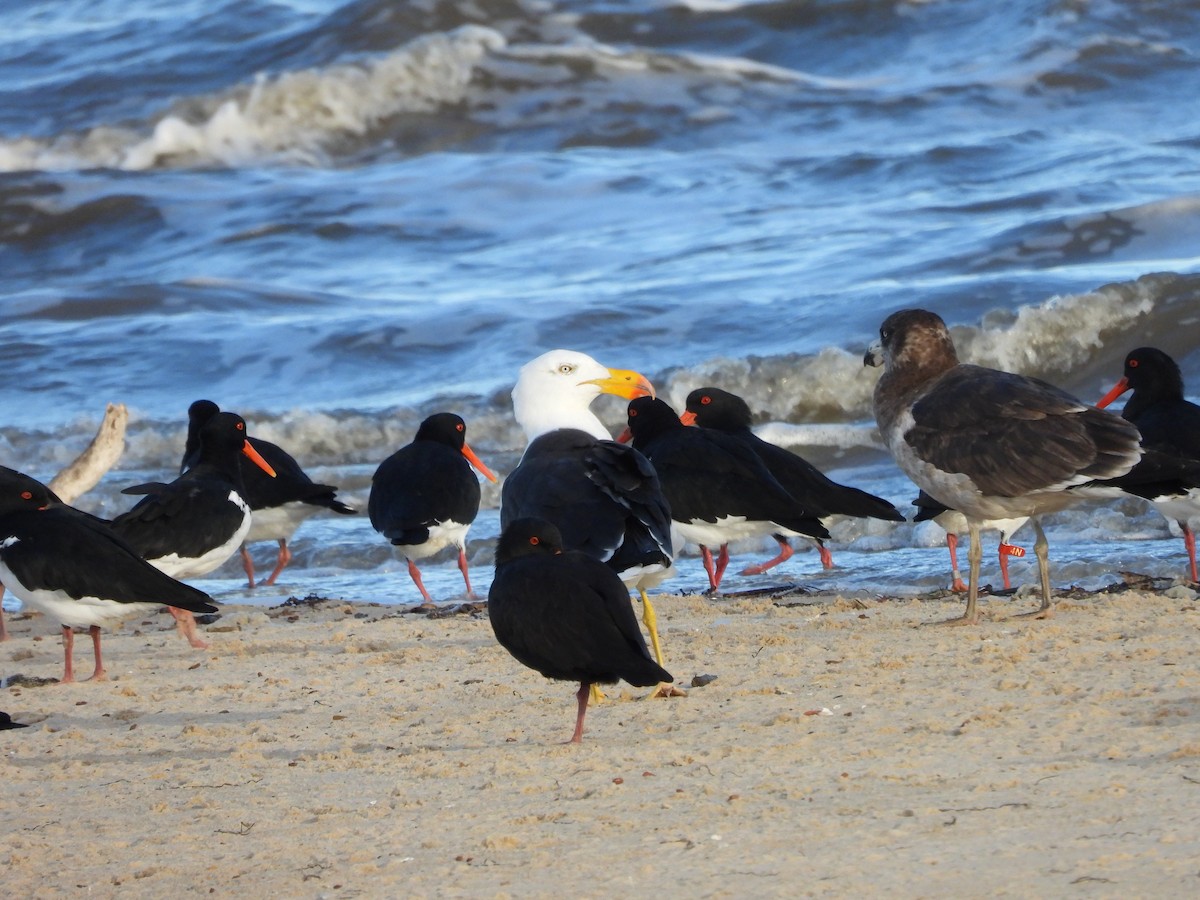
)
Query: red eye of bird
[
  {"x": 534, "y": 541},
  {"x": 633, "y": 414},
  {"x": 1133, "y": 364},
  {"x": 241, "y": 426},
  {"x": 26, "y": 495},
  {"x": 459, "y": 427},
  {"x": 704, "y": 401}
]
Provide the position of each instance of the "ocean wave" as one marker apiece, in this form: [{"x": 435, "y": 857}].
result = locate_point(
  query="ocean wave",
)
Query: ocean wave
[
  {"x": 1074, "y": 340},
  {"x": 468, "y": 84},
  {"x": 821, "y": 399},
  {"x": 291, "y": 118}
]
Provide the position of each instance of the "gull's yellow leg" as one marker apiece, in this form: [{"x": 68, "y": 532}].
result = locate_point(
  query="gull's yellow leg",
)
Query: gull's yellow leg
[{"x": 650, "y": 620}]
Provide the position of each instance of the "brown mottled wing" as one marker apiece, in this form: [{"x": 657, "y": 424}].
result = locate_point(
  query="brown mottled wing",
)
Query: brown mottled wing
[{"x": 1014, "y": 435}]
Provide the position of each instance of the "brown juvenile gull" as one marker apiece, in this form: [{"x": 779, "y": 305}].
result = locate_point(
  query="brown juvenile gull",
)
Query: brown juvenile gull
[{"x": 991, "y": 444}]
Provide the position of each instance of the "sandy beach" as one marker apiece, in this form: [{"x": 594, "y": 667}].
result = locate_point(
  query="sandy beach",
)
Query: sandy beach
[{"x": 328, "y": 748}]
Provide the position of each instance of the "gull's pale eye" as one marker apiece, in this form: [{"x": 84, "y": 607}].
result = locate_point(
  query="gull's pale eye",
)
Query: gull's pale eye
[{"x": 566, "y": 369}]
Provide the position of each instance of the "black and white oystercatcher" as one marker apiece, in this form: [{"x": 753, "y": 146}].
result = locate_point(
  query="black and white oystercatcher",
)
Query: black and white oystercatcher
[
  {"x": 566, "y": 614},
  {"x": 424, "y": 496},
  {"x": 189, "y": 527},
  {"x": 604, "y": 497},
  {"x": 83, "y": 472},
  {"x": 991, "y": 444},
  {"x": 74, "y": 568},
  {"x": 280, "y": 504},
  {"x": 718, "y": 489},
  {"x": 954, "y": 523},
  {"x": 819, "y": 495},
  {"x": 1168, "y": 424}
]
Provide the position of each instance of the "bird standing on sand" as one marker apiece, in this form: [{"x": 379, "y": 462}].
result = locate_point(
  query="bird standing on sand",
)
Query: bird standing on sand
[
  {"x": 604, "y": 497},
  {"x": 278, "y": 504},
  {"x": 565, "y": 614},
  {"x": 1168, "y": 424},
  {"x": 820, "y": 496},
  {"x": 74, "y": 568},
  {"x": 424, "y": 496},
  {"x": 718, "y": 488},
  {"x": 189, "y": 527},
  {"x": 991, "y": 444}
]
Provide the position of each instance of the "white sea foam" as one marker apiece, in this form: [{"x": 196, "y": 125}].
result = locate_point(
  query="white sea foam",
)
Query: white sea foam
[{"x": 291, "y": 117}]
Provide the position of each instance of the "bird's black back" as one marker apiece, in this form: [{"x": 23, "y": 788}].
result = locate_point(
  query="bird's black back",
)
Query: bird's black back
[
  {"x": 420, "y": 485},
  {"x": 60, "y": 549},
  {"x": 605, "y": 498},
  {"x": 707, "y": 475},
  {"x": 198, "y": 510},
  {"x": 563, "y": 613},
  {"x": 291, "y": 483}
]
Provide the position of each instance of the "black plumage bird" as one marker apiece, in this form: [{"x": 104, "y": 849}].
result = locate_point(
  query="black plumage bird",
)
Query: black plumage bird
[
  {"x": 73, "y": 567},
  {"x": 717, "y": 487},
  {"x": 190, "y": 526},
  {"x": 819, "y": 495},
  {"x": 424, "y": 496},
  {"x": 605, "y": 498},
  {"x": 1170, "y": 425},
  {"x": 565, "y": 614},
  {"x": 279, "y": 504}
]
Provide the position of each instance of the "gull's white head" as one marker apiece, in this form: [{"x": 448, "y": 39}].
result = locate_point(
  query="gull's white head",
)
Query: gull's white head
[{"x": 555, "y": 390}]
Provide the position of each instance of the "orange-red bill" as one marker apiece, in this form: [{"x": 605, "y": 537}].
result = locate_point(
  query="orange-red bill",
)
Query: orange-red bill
[
  {"x": 478, "y": 464},
  {"x": 1118, "y": 389},
  {"x": 257, "y": 459},
  {"x": 687, "y": 417}
]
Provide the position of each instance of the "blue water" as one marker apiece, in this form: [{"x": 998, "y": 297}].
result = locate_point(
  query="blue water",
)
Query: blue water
[{"x": 336, "y": 218}]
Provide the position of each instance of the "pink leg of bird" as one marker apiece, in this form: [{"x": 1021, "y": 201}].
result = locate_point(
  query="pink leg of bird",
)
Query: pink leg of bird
[
  {"x": 462, "y": 567},
  {"x": 956, "y": 584},
  {"x": 1007, "y": 550},
  {"x": 707, "y": 559},
  {"x": 415, "y": 574},
  {"x": 722, "y": 562},
  {"x": 68, "y": 655},
  {"x": 3, "y": 627},
  {"x": 98, "y": 671},
  {"x": 285, "y": 557},
  {"x": 248, "y": 566},
  {"x": 785, "y": 553},
  {"x": 581, "y": 698},
  {"x": 826, "y": 556},
  {"x": 1189, "y": 541},
  {"x": 715, "y": 570},
  {"x": 186, "y": 623}
]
